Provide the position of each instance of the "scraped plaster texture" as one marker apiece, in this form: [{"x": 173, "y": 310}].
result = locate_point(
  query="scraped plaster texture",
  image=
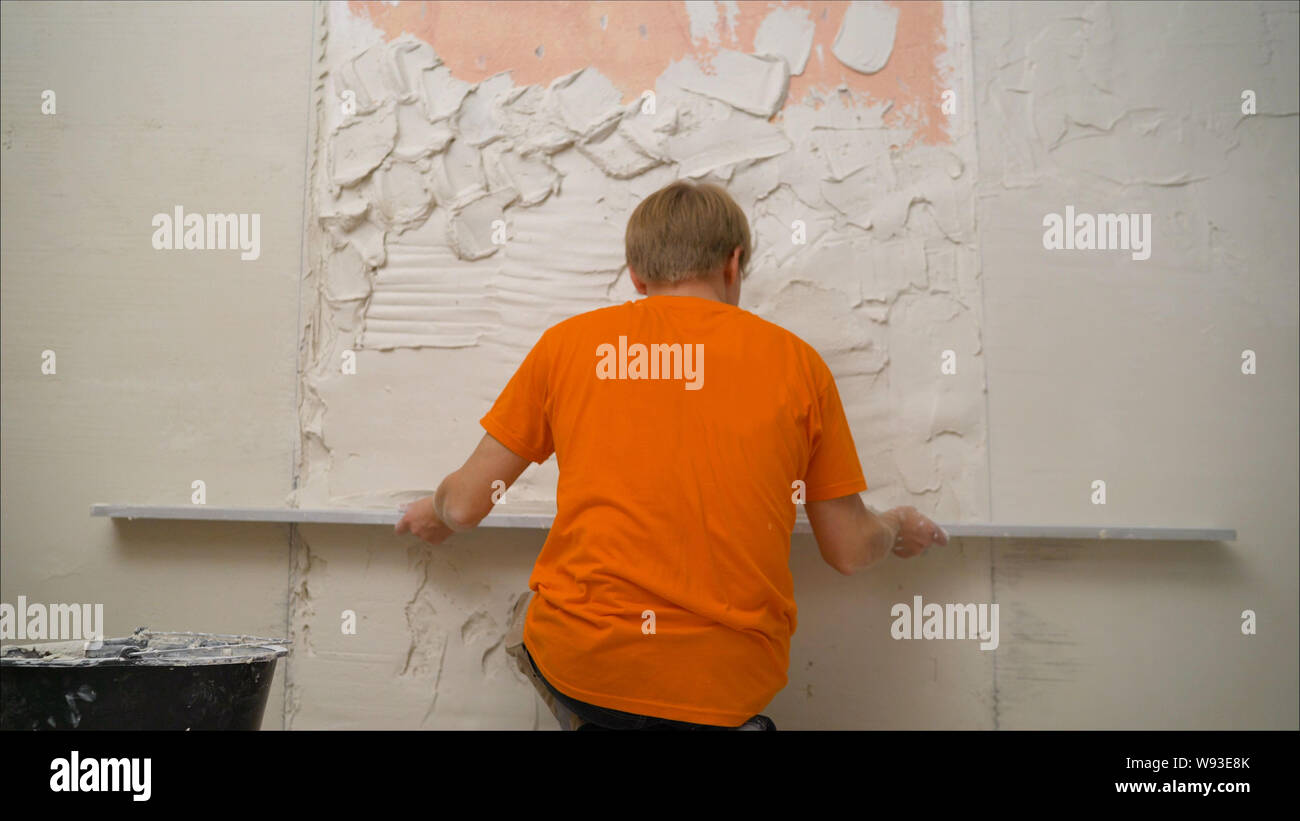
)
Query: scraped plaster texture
[
  {"x": 471, "y": 182},
  {"x": 411, "y": 188}
]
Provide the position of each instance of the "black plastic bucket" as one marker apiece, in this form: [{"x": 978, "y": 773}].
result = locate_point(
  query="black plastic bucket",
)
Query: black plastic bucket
[{"x": 147, "y": 681}]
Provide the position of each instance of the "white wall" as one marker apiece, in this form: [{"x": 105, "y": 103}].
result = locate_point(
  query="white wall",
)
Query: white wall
[
  {"x": 1105, "y": 367},
  {"x": 171, "y": 365},
  {"x": 175, "y": 366}
]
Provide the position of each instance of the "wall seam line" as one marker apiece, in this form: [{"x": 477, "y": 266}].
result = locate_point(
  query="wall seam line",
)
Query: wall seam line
[
  {"x": 297, "y": 348},
  {"x": 966, "y": 12}
]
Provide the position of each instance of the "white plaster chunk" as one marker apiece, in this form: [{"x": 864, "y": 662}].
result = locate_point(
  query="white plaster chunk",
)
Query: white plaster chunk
[
  {"x": 492, "y": 171},
  {"x": 616, "y": 155},
  {"x": 857, "y": 194},
  {"x": 954, "y": 165},
  {"x": 651, "y": 131},
  {"x": 927, "y": 401},
  {"x": 926, "y": 164},
  {"x": 416, "y": 136},
  {"x": 368, "y": 239},
  {"x": 802, "y": 169},
  {"x": 458, "y": 175},
  {"x": 798, "y": 120},
  {"x": 472, "y": 225},
  {"x": 721, "y": 175},
  {"x": 638, "y": 188},
  {"x": 772, "y": 248},
  {"x": 586, "y": 100},
  {"x": 442, "y": 93},
  {"x": 846, "y": 151},
  {"x": 344, "y": 325},
  {"x": 889, "y": 213},
  {"x": 477, "y": 121},
  {"x": 959, "y": 408},
  {"x": 754, "y": 180},
  {"x": 836, "y": 264},
  {"x": 401, "y": 192},
  {"x": 937, "y": 200},
  {"x": 359, "y": 145},
  {"x": 751, "y": 83},
  {"x": 776, "y": 229},
  {"x": 366, "y": 75},
  {"x": 432, "y": 233},
  {"x": 345, "y": 276},
  {"x": 411, "y": 57},
  {"x": 343, "y": 213},
  {"x": 532, "y": 177},
  {"x": 866, "y": 36},
  {"x": 531, "y": 123},
  {"x": 786, "y": 32},
  {"x": 736, "y": 138},
  {"x": 847, "y": 341}
]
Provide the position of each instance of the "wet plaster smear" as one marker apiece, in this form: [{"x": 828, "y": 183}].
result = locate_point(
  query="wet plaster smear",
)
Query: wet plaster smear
[{"x": 472, "y": 175}]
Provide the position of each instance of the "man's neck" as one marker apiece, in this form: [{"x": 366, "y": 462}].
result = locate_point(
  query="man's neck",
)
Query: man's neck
[{"x": 705, "y": 288}]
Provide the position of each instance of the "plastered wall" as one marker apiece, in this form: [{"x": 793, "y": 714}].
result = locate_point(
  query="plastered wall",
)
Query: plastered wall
[
  {"x": 471, "y": 188},
  {"x": 380, "y": 143}
]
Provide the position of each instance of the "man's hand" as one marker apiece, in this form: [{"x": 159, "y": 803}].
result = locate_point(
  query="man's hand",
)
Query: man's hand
[
  {"x": 421, "y": 520},
  {"x": 852, "y": 536},
  {"x": 915, "y": 533}
]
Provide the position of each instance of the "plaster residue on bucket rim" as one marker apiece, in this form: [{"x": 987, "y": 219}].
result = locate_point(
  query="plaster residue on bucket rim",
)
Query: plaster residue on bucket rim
[{"x": 146, "y": 647}]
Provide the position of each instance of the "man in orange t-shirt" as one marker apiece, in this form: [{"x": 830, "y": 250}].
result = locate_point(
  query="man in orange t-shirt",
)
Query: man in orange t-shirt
[{"x": 687, "y": 432}]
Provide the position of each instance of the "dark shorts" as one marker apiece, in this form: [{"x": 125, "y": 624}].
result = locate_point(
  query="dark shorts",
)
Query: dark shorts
[{"x": 603, "y": 718}]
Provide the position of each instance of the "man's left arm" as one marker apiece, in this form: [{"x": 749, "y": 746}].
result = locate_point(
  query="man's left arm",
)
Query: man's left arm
[{"x": 465, "y": 497}]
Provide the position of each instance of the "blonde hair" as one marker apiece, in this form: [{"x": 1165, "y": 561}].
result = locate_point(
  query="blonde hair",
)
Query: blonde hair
[{"x": 684, "y": 230}]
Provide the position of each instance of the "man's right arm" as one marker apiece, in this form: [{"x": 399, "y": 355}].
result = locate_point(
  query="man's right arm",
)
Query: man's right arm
[{"x": 851, "y": 536}]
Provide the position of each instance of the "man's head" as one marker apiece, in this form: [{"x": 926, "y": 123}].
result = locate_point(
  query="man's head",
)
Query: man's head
[{"x": 689, "y": 238}]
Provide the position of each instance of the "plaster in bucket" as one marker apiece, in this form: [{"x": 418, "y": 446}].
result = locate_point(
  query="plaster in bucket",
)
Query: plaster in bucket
[{"x": 148, "y": 680}]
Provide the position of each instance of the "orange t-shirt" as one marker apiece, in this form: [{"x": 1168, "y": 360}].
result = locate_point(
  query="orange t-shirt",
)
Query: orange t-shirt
[{"x": 664, "y": 587}]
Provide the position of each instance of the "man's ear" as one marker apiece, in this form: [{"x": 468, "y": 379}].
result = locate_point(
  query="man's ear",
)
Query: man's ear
[
  {"x": 636, "y": 281},
  {"x": 731, "y": 271}
]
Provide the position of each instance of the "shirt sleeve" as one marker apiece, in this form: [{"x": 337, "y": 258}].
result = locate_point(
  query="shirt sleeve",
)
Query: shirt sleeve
[
  {"x": 833, "y": 466},
  {"x": 518, "y": 418}
]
